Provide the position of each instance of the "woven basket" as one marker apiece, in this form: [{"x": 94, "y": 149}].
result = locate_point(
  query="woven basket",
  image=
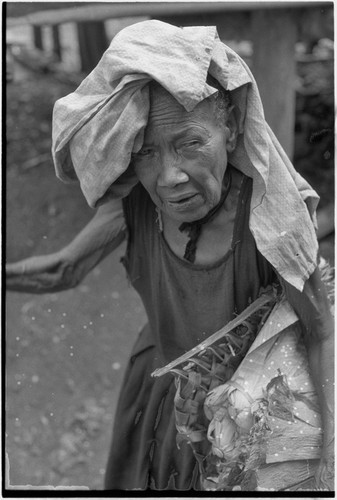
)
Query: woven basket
[
  {"x": 245, "y": 395},
  {"x": 210, "y": 365}
]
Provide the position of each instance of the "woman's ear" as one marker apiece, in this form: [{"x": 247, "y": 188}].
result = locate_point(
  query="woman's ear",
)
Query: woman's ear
[{"x": 232, "y": 128}]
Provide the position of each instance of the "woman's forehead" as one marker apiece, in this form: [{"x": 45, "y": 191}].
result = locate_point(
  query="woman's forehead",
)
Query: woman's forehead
[{"x": 166, "y": 111}]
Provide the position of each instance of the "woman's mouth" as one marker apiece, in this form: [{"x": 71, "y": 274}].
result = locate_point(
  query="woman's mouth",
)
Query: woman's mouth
[{"x": 184, "y": 202}]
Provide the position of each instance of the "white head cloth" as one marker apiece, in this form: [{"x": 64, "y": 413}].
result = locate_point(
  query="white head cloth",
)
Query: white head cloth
[{"x": 97, "y": 127}]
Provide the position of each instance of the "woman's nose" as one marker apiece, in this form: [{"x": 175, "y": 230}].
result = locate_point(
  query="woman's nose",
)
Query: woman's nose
[{"x": 171, "y": 173}]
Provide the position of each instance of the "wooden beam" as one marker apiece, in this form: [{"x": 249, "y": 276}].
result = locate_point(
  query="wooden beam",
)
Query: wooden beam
[
  {"x": 274, "y": 34},
  {"x": 108, "y": 10}
]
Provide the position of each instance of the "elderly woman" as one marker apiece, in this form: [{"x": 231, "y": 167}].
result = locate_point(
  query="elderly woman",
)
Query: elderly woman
[{"x": 168, "y": 139}]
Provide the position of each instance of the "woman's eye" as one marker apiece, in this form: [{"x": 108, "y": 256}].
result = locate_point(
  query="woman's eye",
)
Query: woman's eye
[
  {"x": 191, "y": 144},
  {"x": 143, "y": 153}
]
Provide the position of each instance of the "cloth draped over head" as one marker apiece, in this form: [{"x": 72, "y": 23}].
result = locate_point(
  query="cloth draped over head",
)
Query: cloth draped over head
[{"x": 98, "y": 127}]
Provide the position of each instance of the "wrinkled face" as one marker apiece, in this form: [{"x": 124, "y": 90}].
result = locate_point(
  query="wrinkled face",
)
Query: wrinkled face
[{"x": 184, "y": 157}]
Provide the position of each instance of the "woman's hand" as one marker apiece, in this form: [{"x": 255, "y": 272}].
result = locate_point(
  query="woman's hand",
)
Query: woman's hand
[
  {"x": 45, "y": 273},
  {"x": 324, "y": 477},
  {"x": 66, "y": 268}
]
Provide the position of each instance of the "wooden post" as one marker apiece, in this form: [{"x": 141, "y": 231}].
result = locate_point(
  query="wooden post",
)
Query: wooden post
[
  {"x": 56, "y": 42},
  {"x": 92, "y": 42},
  {"x": 37, "y": 37},
  {"x": 274, "y": 34}
]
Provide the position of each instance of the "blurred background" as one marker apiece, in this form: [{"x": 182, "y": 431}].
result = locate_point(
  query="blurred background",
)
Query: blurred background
[{"x": 66, "y": 352}]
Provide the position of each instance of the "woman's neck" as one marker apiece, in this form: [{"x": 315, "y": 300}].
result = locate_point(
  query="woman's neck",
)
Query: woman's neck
[{"x": 216, "y": 234}]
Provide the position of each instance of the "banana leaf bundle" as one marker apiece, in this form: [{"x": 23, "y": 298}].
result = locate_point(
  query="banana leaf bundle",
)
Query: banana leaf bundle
[
  {"x": 246, "y": 404},
  {"x": 271, "y": 405}
]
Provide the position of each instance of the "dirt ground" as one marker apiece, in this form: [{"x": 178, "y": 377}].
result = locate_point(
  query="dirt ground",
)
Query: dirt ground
[{"x": 66, "y": 352}]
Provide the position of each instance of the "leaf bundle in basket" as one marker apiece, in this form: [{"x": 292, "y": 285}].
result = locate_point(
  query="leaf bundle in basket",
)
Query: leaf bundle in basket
[
  {"x": 246, "y": 404},
  {"x": 209, "y": 365},
  {"x": 271, "y": 401}
]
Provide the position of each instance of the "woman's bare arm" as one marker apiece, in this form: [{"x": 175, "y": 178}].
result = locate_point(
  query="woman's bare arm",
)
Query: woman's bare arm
[
  {"x": 313, "y": 309},
  {"x": 67, "y": 267}
]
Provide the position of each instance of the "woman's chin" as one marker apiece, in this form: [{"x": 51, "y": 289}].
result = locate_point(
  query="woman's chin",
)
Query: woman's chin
[{"x": 187, "y": 215}]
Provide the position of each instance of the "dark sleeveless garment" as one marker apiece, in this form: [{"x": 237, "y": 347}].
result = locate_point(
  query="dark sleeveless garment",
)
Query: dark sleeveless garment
[{"x": 185, "y": 303}]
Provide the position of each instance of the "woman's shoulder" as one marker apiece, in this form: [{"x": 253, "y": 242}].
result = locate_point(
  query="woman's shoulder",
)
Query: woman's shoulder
[{"x": 137, "y": 207}]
